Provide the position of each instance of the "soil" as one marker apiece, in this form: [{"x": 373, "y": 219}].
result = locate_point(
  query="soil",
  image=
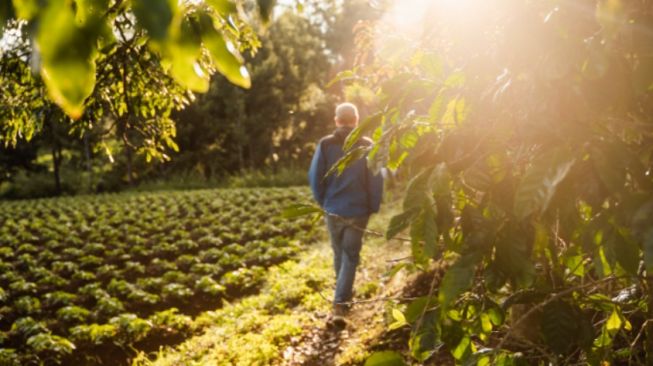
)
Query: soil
[{"x": 366, "y": 330}]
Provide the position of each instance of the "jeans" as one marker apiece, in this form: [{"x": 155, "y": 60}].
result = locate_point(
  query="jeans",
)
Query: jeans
[{"x": 346, "y": 235}]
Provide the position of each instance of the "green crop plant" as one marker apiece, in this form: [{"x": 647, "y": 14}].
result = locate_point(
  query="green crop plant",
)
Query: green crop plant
[{"x": 127, "y": 269}]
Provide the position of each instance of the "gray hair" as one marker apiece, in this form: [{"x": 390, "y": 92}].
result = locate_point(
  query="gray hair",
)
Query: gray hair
[{"x": 347, "y": 113}]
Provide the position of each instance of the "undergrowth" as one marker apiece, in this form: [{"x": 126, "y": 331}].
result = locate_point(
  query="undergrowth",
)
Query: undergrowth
[{"x": 255, "y": 330}]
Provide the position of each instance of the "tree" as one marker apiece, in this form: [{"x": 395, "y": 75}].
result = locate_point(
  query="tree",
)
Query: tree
[
  {"x": 72, "y": 38},
  {"x": 523, "y": 129},
  {"x": 117, "y": 71},
  {"x": 230, "y": 129}
]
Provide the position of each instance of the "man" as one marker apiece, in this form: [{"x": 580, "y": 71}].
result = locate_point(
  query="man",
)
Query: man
[{"x": 349, "y": 199}]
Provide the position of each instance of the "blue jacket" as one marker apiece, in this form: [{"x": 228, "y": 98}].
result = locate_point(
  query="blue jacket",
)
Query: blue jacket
[{"x": 356, "y": 192}]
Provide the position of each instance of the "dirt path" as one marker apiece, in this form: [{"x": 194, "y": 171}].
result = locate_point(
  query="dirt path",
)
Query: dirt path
[{"x": 324, "y": 345}]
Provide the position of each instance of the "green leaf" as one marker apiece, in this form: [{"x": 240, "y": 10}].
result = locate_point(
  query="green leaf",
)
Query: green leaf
[
  {"x": 46, "y": 342},
  {"x": 575, "y": 265},
  {"x": 455, "y": 80},
  {"x": 183, "y": 51},
  {"x": 155, "y": 16},
  {"x": 419, "y": 306},
  {"x": 496, "y": 315},
  {"x": 343, "y": 75},
  {"x": 385, "y": 358},
  {"x": 463, "y": 349},
  {"x": 486, "y": 323},
  {"x": 603, "y": 340},
  {"x": 478, "y": 176},
  {"x": 349, "y": 158},
  {"x": 368, "y": 124},
  {"x": 398, "y": 223},
  {"x": 223, "y": 7},
  {"x": 400, "y": 319},
  {"x": 418, "y": 191},
  {"x": 25, "y": 9},
  {"x": 458, "y": 278},
  {"x": 424, "y": 229},
  {"x": 425, "y": 339},
  {"x": 67, "y": 57},
  {"x": 539, "y": 184},
  {"x": 560, "y": 326},
  {"x": 613, "y": 324},
  {"x": 627, "y": 253},
  {"x": 610, "y": 162},
  {"x": 298, "y": 210},
  {"x": 224, "y": 55}
]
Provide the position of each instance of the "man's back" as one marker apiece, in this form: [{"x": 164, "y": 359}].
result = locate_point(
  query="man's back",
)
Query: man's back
[{"x": 355, "y": 192}]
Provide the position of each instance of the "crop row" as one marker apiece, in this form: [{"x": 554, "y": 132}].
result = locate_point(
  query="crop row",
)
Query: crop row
[{"x": 82, "y": 278}]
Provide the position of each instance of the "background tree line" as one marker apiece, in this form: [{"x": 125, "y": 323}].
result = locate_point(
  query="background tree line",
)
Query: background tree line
[{"x": 141, "y": 124}]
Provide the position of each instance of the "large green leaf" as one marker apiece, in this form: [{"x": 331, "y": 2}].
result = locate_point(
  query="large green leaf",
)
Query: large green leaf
[
  {"x": 385, "y": 358},
  {"x": 25, "y": 9},
  {"x": 458, "y": 278},
  {"x": 225, "y": 57},
  {"x": 418, "y": 191},
  {"x": 424, "y": 234},
  {"x": 626, "y": 252},
  {"x": 560, "y": 326},
  {"x": 539, "y": 184},
  {"x": 183, "y": 52},
  {"x": 67, "y": 57},
  {"x": 369, "y": 124},
  {"x": 425, "y": 337},
  {"x": 349, "y": 158},
  {"x": 513, "y": 255},
  {"x": 298, "y": 210},
  {"x": 418, "y": 307},
  {"x": 155, "y": 16},
  {"x": 343, "y": 75},
  {"x": 398, "y": 223}
]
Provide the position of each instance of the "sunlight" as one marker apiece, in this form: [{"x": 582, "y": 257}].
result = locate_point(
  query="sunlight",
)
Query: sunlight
[{"x": 411, "y": 17}]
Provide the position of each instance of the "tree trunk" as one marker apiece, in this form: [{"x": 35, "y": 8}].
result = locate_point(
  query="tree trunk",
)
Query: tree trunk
[
  {"x": 130, "y": 171},
  {"x": 241, "y": 160},
  {"x": 56, "y": 162},
  {"x": 89, "y": 163},
  {"x": 56, "y": 153}
]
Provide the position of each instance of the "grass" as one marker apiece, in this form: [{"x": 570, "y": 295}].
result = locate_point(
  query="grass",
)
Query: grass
[
  {"x": 295, "y": 299},
  {"x": 255, "y": 330},
  {"x": 282, "y": 177}
]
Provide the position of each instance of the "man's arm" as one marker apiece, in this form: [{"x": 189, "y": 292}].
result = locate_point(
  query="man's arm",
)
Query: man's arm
[
  {"x": 374, "y": 190},
  {"x": 316, "y": 175}
]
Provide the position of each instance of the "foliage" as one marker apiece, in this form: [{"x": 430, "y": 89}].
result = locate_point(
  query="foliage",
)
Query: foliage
[
  {"x": 140, "y": 123},
  {"x": 85, "y": 31},
  {"x": 258, "y": 329},
  {"x": 229, "y": 129},
  {"x": 526, "y": 144},
  {"x": 163, "y": 256}
]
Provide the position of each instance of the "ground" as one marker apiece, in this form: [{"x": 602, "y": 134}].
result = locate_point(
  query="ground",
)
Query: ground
[{"x": 287, "y": 322}]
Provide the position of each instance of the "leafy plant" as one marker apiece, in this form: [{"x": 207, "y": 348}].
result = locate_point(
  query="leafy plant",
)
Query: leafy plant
[{"x": 525, "y": 147}]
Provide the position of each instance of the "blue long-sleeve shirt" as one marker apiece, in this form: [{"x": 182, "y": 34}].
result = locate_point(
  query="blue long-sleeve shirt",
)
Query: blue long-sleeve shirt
[{"x": 355, "y": 192}]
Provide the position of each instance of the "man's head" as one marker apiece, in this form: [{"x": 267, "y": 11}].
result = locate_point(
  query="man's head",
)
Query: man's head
[{"x": 346, "y": 115}]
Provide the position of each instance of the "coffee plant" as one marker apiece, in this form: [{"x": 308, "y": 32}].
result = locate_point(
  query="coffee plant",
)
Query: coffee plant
[{"x": 524, "y": 130}]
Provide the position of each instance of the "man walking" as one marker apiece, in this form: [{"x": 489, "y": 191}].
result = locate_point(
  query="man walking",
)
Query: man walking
[{"x": 349, "y": 199}]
